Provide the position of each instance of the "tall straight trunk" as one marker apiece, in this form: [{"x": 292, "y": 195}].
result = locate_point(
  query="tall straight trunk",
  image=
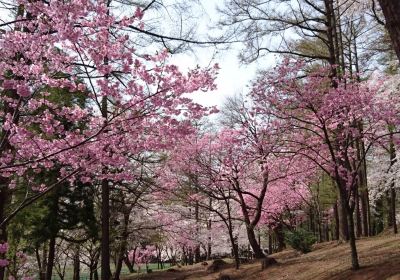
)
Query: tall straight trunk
[
  {"x": 234, "y": 244},
  {"x": 39, "y": 262},
  {"x": 352, "y": 238},
  {"x": 358, "y": 213},
  {"x": 330, "y": 32},
  {"x": 50, "y": 259},
  {"x": 389, "y": 216},
  {"x": 269, "y": 242},
  {"x": 105, "y": 212},
  {"x": 44, "y": 260},
  {"x": 197, "y": 256},
  {"x": 337, "y": 221},
  {"x": 77, "y": 265},
  {"x": 362, "y": 179},
  {"x": 391, "y": 11},
  {"x": 235, "y": 249},
  {"x": 280, "y": 237},
  {"x": 105, "y": 195},
  {"x": 105, "y": 230},
  {"x": 349, "y": 206},
  {"x": 343, "y": 221}
]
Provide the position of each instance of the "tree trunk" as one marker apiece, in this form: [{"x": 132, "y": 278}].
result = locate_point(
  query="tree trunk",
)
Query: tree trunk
[
  {"x": 354, "y": 256},
  {"x": 209, "y": 241},
  {"x": 235, "y": 249},
  {"x": 269, "y": 242},
  {"x": 39, "y": 262},
  {"x": 343, "y": 221},
  {"x": 258, "y": 253},
  {"x": 44, "y": 260},
  {"x": 391, "y": 11},
  {"x": 280, "y": 237},
  {"x": 337, "y": 222},
  {"x": 50, "y": 259},
  {"x": 77, "y": 265},
  {"x": 358, "y": 214},
  {"x": 105, "y": 230}
]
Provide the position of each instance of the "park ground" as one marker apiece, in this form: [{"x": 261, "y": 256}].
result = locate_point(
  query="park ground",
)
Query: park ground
[{"x": 379, "y": 258}]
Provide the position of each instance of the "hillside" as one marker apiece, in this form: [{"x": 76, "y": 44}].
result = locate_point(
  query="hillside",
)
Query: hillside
[{"x": 379, "y": 257}]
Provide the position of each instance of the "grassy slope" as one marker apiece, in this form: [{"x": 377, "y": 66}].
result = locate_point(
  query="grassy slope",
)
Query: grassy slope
[{"x": 379, "y": 258}]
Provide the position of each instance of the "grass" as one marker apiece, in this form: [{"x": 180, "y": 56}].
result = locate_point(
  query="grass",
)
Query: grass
[{"x": 84, "y": 273}]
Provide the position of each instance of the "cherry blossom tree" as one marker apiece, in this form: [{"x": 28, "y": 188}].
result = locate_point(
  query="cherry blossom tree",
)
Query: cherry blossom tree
[
  {"x": 322, "y": 123},
  {"x": 82, "y": 46}
]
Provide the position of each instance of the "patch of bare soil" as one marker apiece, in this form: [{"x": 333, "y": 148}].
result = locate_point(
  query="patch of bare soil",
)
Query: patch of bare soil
[{"x": 379, "y": 259}]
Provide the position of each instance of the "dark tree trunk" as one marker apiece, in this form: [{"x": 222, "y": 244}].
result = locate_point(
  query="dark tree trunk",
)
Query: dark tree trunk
[
  {"x": 77, "y": 265},
  {"x": 269, "y": 243},
  {"x": 391, "y": 11},
  {"x": 235, "y": 249},
  {"x": 105, "y": 230},
  {"x": 197, "y": 218},
  {"x": 50, "y": 259},
  {"x": 258, "y": 253},
  {"x": 337, "y": 222},
  {"x": 44, "y": 260},
  {"x": 209, "y": 242},
  {"x": 343, "y": 221},
  {"x": 358, "y": 214},
  {"x": 42, "y": 275},
  {"x": 280, "y": 237}
]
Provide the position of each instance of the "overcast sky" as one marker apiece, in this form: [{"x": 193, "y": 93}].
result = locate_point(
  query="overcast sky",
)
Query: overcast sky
[{"x": 233, "y": 76}]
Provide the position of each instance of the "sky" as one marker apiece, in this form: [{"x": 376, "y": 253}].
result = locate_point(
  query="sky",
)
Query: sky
[{"x": 234, "y": 76}]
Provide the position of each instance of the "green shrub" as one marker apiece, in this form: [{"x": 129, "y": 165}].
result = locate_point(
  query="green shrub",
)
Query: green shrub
[{"x": 300, "y": 240}]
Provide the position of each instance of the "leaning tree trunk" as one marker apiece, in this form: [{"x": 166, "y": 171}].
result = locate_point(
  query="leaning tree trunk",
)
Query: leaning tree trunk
[
  {"x": 391, "y": 11},
  {"x": 258, "y": 253}
]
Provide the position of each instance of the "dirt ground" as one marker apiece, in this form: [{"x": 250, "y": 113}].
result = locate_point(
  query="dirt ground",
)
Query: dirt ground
[{"x": 379, "y": 259}]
